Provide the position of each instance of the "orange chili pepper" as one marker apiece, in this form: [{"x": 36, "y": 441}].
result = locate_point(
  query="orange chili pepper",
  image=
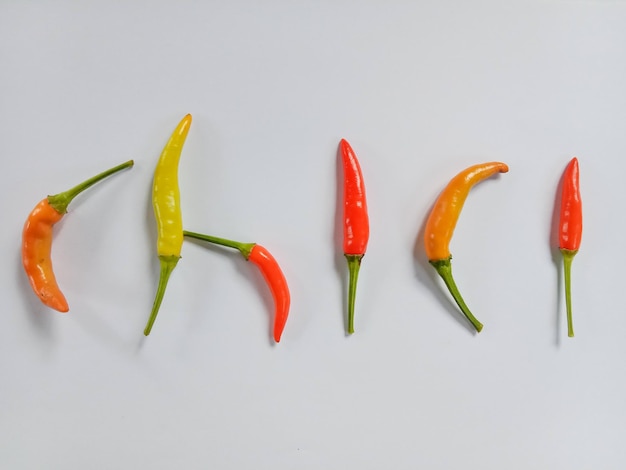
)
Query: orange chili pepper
[
  {"x": 442, "y": 221},
  {"x": 36, "y": 250},
  {"x": 570, "y": 230},
  {"x": 37, "y": 240}
]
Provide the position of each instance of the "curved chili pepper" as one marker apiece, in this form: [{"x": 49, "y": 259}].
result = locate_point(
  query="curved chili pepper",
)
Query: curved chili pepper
[
  {"x": 166, "y": 204},
  {"x": 442, "y": 221},
  {"x": 270, "y": 270},
  {"x": 570, "y": 230},
  {"x": 356, "y": 228},
  {"x": 37, "y": 240}
]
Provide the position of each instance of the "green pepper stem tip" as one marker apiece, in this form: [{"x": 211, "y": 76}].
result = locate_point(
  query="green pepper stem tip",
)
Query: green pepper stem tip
[
  {"x": 60, "y": 201},
  {"x": 168, "y": 263},
  {"x": 444, "y": 269}
]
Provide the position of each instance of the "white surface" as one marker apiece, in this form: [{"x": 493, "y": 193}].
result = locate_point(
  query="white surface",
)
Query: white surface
[{"x": 421, "y": 90}]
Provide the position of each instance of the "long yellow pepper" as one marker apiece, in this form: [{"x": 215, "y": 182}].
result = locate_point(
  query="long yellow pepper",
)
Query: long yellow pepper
[
  {"x": 442, "y": 221},
  {"x": 166, "y": 204}
]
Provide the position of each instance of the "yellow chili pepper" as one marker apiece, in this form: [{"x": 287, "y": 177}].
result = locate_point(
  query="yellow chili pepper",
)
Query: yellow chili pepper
[
  {"x": 166, "y": 204},
  {"x": 442, "y": 221}
]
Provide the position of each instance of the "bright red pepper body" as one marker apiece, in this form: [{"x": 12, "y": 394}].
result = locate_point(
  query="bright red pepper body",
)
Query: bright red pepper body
[
  {"x": 356, "y": 228},
  {"x": 277, "y": 283},
  {"x": 571, "y": 220}
]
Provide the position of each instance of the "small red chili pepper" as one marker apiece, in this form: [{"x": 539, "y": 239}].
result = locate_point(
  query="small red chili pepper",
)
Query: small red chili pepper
[
  {"x": 270, "y": 270},
  {"x": 356, "y": 229},
  {"x": 570, "y": 230}
]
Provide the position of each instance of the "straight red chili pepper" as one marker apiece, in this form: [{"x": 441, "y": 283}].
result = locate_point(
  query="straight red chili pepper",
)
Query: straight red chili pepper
[
  {"x": 270, "y": 270},
  {"x": 570, "y": 230},
  {"x": 356, "y": 229}
]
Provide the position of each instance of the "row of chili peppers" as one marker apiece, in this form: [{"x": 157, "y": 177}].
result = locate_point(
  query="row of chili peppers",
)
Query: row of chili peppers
[{"x": 440, "y": 225}]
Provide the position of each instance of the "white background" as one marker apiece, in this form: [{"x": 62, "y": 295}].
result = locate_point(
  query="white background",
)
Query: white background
[{"x": 421, "y": 90}]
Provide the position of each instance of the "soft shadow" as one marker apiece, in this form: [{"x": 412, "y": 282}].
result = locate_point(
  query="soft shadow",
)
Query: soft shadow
[
  {"x": 96, "y": 326},
  {"x": 139, "y": 345},
  {"x": 428, "y": 276},
  {"x": 557, "y": 260},
  {"x": 340, "y": 260}
]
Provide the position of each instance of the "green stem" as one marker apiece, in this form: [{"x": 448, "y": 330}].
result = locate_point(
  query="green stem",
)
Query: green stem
[
  {"x": 354, "y": 263},
  {"x": 568, "y": 257},
  {"x": 244, "y": 248},
  {"x": 60, "y": 201},
  {"x": 168, "y": 263},
  {"x": 444, "y": 268}
]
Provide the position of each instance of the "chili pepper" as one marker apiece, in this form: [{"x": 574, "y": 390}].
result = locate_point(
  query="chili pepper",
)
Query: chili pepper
[
  {"x": 442, "y": 221},
  {"x": 356, "y": 228},
  {"x": 166, "y": 205},
  {"x": 570, "y": 230},
  {"x": 270, "y": 270},
  {"x": 37, "y": 240}
]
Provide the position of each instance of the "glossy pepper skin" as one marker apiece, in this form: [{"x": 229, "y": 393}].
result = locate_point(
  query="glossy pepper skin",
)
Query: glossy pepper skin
[
  {"x": 36, "y": 255},
  {"x": 277, "y": 283},
  {"x": 442, "y": 222},
  {"x": 570, "y": 230},
  {"x": 270, "y": 270},
  {"x": 356, "y": 229},
  {"x": 37, "y": 240},
  {"x": 166, "y": 205}
]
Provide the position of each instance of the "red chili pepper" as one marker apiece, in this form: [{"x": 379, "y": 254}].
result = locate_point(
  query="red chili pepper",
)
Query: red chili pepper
[
  {"x": 277, "y": 283},
  {"x": 570, "y": 230},
  {"x": 356, "y": 229},
  {"x": 270, "y": 270}
]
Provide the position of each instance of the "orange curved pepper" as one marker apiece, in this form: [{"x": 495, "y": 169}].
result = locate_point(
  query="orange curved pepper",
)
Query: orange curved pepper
[
  {"x": 442, "y": 222},
  {"x": 37, "y": 240}
]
